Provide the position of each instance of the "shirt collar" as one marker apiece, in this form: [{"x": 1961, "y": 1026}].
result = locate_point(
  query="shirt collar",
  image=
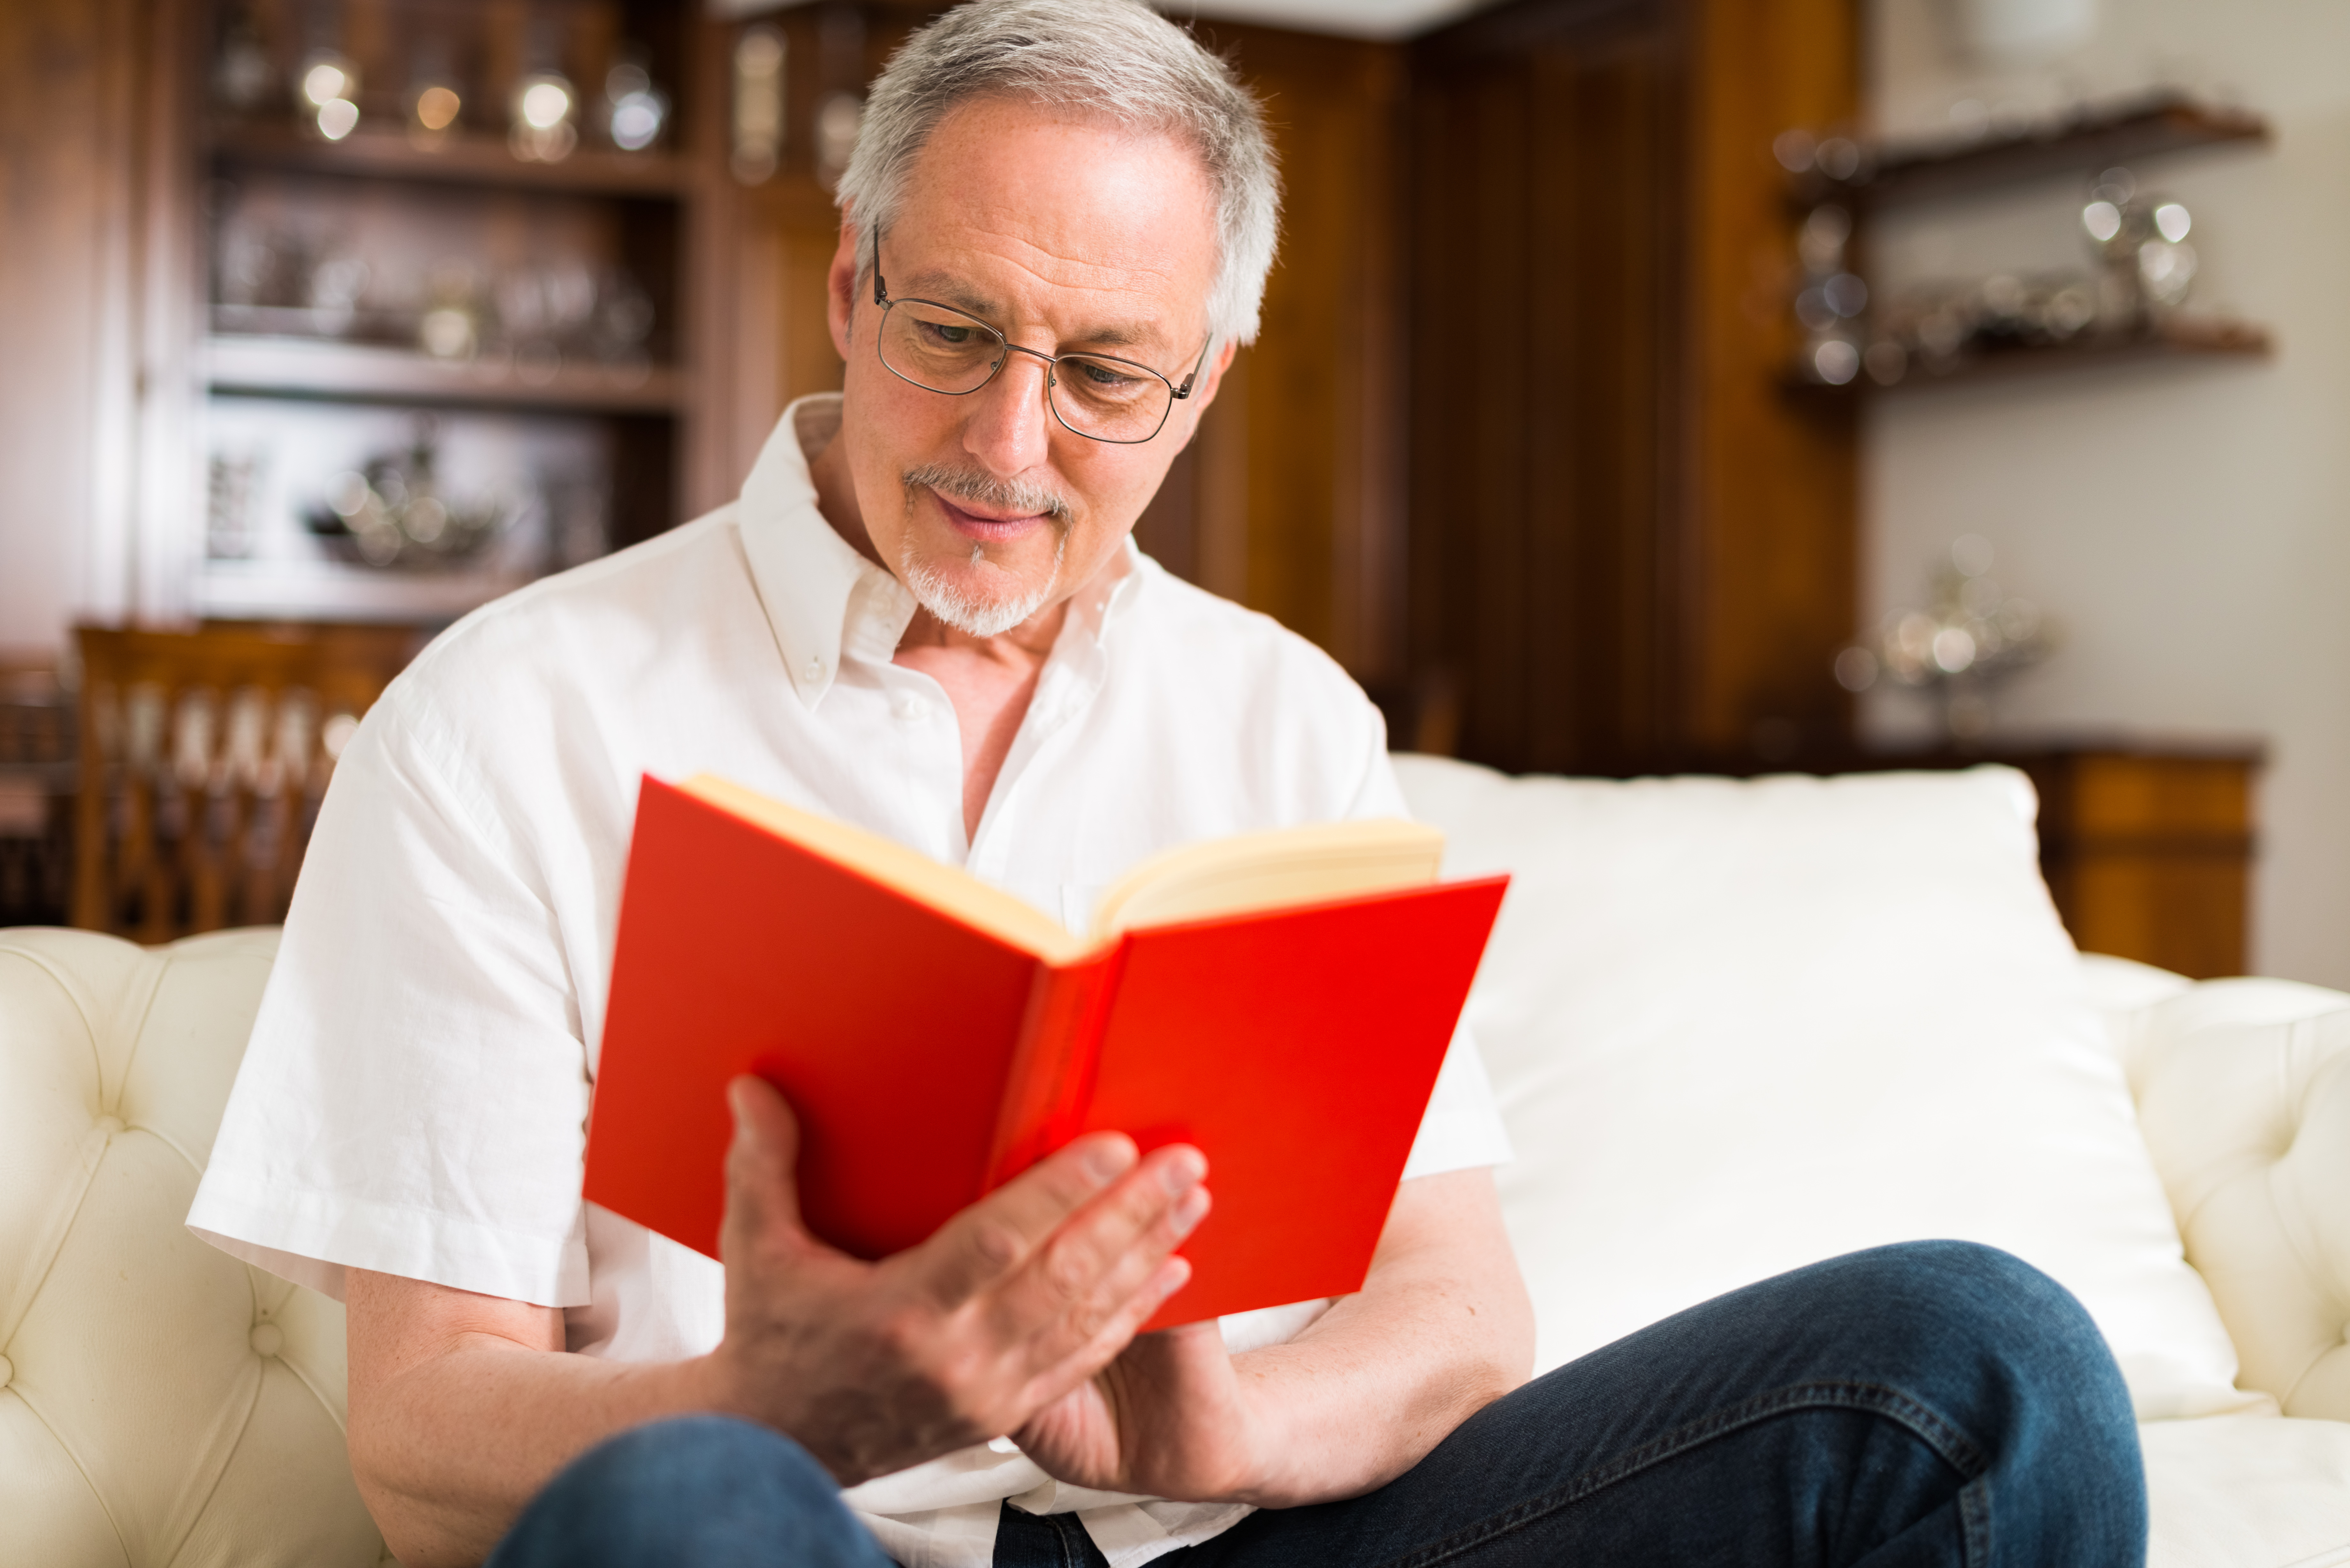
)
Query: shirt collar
[
  {"x": 819, "y": 594},
  {"x": 822, "y": 598}
]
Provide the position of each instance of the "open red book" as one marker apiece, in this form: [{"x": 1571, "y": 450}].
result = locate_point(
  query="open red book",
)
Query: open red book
[{"x": 1282, "y": 1001}]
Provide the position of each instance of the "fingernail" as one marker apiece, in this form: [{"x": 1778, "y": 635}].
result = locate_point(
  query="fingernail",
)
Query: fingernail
[
  {"x": 1182, "y": 1173},
  {"x": 1107, "y": 1158},
  {"x": 1191, "y": 1210}
]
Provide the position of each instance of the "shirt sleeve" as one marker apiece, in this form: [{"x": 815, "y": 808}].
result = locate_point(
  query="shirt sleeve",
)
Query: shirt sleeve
[
  {"x": 414, "y": 1096},
  {"x": 1463, "y": 1127}
]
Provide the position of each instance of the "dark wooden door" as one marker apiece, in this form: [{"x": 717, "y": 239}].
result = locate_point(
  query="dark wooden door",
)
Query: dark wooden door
[{"x": 1629, "y": 550}]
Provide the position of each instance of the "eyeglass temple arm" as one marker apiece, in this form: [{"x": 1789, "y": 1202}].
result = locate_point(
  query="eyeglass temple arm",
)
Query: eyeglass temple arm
[
  {"x": 881, "y": 290},
  {"x": 1185, "y": 389}
]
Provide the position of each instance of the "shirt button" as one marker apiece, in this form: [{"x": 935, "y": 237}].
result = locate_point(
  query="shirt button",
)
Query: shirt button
[
  {"x": 816, "y": 669},
  {"x": 1004, "y": 1445},
  {"x": 910, "y": 708}
]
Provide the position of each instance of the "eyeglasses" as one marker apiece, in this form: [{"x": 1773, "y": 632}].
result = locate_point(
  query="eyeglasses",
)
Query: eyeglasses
[{"x": 942, "y": 349}]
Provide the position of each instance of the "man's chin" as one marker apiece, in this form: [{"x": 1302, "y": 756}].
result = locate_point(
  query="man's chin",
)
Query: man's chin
[{"x": 978, "y": 599}]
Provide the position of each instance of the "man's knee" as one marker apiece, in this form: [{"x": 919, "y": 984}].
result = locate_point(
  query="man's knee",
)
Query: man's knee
[
  {"x": 695, "y": 1488},
  {"x": 1998, "y": 1339},
  {"x": 1964, "y": 1296}
]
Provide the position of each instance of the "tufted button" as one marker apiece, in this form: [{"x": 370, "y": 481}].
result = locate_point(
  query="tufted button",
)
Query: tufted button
[
  {"x": 109, "y": 1125},
  {"x": 7, "y": 1372},
  {"x": 267, "y": 1339}
]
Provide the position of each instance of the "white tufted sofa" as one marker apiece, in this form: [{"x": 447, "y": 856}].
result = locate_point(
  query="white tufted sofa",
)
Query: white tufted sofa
[{"x": 163, "y": 1404}]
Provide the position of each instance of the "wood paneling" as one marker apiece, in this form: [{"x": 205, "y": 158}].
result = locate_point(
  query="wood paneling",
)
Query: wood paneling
[
  {"x": 1322, "y": 465},
  {"x": 72, "y": 93},
  {"x": 1629, "y": 550},
  {"x": 1770, "y": 572}
]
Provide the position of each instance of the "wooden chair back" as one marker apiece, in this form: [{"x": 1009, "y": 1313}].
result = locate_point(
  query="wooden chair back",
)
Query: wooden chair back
[{"x": 204, "y": 755}]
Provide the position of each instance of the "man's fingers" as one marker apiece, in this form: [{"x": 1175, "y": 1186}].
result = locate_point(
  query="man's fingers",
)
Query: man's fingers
[
  {"x": 994, "y": 1236},
  {"x": 1089, "y": 1272},
  {"x": 762, "y": 1193},
  {"x": 1055, "y": 1378}
]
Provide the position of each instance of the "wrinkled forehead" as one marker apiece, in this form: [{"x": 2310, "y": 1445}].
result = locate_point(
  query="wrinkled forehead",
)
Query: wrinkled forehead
[{"x": 1030, "y": 215}]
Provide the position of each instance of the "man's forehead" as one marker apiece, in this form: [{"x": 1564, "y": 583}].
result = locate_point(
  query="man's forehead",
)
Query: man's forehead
[{"x": 1015, "y": 208}]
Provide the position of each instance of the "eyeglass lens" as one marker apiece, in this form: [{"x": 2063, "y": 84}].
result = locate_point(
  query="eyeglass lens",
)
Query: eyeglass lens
[{"x": 943, "y": 349}]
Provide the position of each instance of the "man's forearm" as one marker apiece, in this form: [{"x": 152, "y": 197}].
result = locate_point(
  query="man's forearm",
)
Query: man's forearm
[
  {"x": 1441, "y": 1328},
  {"x": 449, "y": 1449}
]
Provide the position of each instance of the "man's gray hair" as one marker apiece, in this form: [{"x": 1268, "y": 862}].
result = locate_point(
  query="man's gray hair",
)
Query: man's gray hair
[{"x": 1111, "y": 59}]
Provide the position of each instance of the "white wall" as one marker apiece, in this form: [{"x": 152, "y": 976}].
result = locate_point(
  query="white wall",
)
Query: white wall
[{"x": 2189, "y": 524}]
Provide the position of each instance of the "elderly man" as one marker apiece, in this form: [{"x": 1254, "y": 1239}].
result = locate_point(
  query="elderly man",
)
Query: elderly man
[{"x": 925, "y": 616}]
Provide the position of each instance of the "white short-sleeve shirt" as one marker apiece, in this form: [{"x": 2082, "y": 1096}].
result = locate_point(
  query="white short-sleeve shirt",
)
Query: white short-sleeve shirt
[{"x": 414, "y": 1097}]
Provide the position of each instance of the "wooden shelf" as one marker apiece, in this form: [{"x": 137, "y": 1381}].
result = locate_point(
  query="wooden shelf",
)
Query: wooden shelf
[
  {"x": 294, "y": 366},
  {"x": 334, "y": 591},
  {"x": 2087, "y": 142},
  {"x": 466, "y": 160},
  {"x": 2179, "y": 338}
]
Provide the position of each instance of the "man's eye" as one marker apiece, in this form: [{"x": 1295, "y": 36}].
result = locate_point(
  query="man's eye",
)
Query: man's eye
[
  {"x": 950, "y": 335},
  {"x": 1101, "y": 375}
]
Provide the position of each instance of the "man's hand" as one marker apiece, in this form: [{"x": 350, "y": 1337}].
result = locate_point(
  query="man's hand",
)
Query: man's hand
[
  {"x": 1165, "y": 1418},
  {"x": 1441, "y": 1326},
  {"x": 1012, "y": 1304}
]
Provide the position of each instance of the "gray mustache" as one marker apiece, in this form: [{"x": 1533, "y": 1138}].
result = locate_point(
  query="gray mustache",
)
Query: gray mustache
[{"x": 972, "y": 485}]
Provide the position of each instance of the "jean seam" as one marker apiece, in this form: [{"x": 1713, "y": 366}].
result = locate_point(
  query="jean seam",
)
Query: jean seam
[{"x": 1953, "y": 1445}]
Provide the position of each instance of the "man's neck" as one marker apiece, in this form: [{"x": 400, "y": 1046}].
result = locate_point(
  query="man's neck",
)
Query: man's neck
[
  {"x": 988, "y": 679},
  {"x": 836, "y": 497}
]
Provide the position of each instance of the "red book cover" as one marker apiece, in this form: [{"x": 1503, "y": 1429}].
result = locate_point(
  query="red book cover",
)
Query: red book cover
[{"x": 932, "y": 1054}]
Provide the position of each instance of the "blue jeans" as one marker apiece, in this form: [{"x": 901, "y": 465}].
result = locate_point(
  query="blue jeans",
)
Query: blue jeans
[{"x": 1935, "y": 1402}]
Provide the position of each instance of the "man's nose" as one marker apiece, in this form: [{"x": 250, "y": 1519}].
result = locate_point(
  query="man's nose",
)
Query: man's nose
[{"x": 1010, "y": 427}]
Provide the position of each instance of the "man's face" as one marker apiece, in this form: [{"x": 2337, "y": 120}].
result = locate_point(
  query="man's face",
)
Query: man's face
[{"x": 1067, "y": 237}]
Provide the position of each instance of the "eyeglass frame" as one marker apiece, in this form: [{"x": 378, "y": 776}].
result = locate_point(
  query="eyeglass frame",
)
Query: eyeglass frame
[{"x": 1174, "y": 393}]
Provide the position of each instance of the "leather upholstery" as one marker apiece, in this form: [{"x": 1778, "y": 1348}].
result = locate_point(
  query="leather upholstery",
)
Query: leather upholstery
[
  {"x": 2243, "y": 1092},
  {"x": 159, "y": 1402}
]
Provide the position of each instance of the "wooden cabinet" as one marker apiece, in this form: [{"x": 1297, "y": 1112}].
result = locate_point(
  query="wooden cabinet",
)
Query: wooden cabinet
[{"x": 2148, "y": 853}]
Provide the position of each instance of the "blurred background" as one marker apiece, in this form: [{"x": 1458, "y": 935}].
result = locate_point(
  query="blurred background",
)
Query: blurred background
[{"x": 1646, "y": 385}]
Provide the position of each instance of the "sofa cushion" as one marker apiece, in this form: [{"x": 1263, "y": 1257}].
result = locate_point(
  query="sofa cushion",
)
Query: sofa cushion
[
  {"x": 2247, "y": 1492},
  {"x": 1736, "y": 1027},
  {"x": 163, "y": 1402},
  {"x": 2244, "y": 1089}
]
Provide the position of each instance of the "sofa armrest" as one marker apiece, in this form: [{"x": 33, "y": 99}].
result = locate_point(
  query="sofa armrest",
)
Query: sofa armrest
[{"x": 2244, "y": 1092}]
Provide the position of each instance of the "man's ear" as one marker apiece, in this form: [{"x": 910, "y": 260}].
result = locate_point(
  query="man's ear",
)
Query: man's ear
[
  {"x": 1204, "y": 391},
  {"x": 840, "y": 283},
  {"x": 1212, "y": 376}
]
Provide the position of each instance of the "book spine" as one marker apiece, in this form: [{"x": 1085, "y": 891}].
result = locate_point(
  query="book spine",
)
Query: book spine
[{"x": 1052, "y": 1078}]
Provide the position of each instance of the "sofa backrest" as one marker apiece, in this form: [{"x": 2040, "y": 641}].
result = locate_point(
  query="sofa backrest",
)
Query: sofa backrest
[
  {"x": 2243, "y": 1092},
  {"x": 159, "y": 1402}
]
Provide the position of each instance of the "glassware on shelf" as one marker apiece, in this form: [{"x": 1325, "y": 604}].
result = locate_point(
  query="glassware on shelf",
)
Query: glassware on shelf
[
  {"x": 1966, "y": 642},
  {"x": 435, "y": 103},
  {"x": 635, "y": 111},
  {"x": 330, "y": 86},
  {"x": 392, "y": 513},
  {"x": 1831, "y": 301},
  {"x": 2145, "y": 265},
  {"x": 241, "y": 71},
  {"x": 758, "y": 110}
]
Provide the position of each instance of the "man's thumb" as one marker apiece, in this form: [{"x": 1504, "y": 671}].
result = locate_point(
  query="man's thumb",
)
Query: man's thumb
[{"x": 761, "y": 1196}]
